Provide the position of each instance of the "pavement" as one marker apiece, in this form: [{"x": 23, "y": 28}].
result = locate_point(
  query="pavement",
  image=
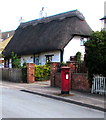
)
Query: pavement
[{"x": 43, "y": 88}]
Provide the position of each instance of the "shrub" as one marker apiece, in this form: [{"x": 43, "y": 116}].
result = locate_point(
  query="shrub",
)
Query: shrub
[
  {"x": 78, "y": 56},
  {"x": 61, "y": 65},
  {"x": 15, "y": 61},
  {"x": 42, "y": 72}
]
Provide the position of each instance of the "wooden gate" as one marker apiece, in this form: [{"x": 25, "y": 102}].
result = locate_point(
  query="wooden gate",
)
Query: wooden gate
[{"x": 99, "y": 85}]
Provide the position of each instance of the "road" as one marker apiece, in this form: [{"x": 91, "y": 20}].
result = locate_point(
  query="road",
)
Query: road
[{"x": 18, "y": 104}]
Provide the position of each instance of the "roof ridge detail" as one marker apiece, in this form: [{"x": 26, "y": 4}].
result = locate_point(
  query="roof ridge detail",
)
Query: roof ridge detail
[{"x": 60, "y": 16}]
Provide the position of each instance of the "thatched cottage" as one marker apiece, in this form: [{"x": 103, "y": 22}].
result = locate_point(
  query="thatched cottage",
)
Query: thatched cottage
[{"x": 54, "y": 38}]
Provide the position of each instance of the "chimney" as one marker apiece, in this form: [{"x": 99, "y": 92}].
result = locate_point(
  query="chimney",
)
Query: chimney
[
  {"x": 21, "y": 20},
  {"x": 43, "y": 13}
]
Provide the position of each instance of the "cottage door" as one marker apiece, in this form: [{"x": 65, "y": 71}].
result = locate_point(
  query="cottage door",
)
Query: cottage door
[{"x": 37, "y": 60}]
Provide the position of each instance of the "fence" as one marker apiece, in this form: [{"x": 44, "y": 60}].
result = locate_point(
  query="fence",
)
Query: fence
[
  {"x": 99, "y": 85},
  {"x": 80, "y": 67},
  {"x": 12, "y": 74}
]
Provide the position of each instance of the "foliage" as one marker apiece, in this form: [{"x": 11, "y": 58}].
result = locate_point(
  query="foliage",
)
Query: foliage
[
  {"x": 15, "y": 61},
  {"x": 42, "y": 72},
  {"x": 60, "y": 65},
  {"x": 63, "y": 64},
  {"x": 95, "y": 57},
  {"x": 24, "y": 72},
  {"x": 78, "y": 56},
  {"x": 24, "y": 65}
]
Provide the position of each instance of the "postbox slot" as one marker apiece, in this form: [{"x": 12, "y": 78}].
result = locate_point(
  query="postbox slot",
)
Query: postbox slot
[{"x": 67, "y": 76}]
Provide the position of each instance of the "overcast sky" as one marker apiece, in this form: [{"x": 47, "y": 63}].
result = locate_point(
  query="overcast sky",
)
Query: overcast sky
[{"x": 12, "y": 10}]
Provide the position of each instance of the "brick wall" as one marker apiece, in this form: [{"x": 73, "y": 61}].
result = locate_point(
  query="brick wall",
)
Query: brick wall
[
  {"x": 54, "y": 67},
  {"x": 30, "y": 72},
  {"x": 80, "y": 81},
  {"x": 57, "y": 81},
  {"x": 72, "y": 66}
]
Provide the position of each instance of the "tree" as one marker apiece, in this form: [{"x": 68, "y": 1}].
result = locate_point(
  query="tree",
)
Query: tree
[
  {"x": 15, "y": 61},
  {"x": 78, "y": 56},
  {"x": 95, "y": 57}
]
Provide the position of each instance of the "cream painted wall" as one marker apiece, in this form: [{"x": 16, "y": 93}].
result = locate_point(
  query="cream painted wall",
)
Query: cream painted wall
[
  {"x": 42, "y": 57},
  {"x": 72, "y": 48},
  {"x": 27, "y": 59},
  {"x": 55, "y": 58},
  {"x": 10, "y": 63}
]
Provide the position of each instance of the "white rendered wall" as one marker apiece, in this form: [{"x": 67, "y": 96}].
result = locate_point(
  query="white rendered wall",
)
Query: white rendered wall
[
  {"x": 27, "y": 59},
  {"x": 55, "y": 58},
  {"x": 10, "y": 63},
  {"x": 72, "y": 48},
  {"x": 42, "y": 57}
]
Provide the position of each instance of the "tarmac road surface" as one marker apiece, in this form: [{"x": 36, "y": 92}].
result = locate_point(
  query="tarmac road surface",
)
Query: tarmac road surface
[{"x": 18, "y": 104}]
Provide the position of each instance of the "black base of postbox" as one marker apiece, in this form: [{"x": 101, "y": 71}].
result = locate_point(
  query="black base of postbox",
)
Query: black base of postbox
[{"x": 64, "y": 92}]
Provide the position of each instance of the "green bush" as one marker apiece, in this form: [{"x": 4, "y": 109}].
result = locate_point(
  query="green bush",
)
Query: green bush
[
  {"x": 95, "y": 56},
  {"x": 16, "y": 63},
  {"x": 42, "y": 72},
  {"x": 61, "y": 65},
  {"x": 78, "y": 56}
]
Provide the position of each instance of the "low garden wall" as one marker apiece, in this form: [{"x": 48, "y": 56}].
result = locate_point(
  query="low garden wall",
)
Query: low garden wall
[
  {"x": 78, "y": 81},
  {"x": 57, "y": 81}
]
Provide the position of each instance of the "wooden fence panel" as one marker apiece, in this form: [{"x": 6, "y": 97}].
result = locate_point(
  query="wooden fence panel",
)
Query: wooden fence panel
[
  {"x": 80, "y": 67},
  {"x": 5, "y": 74},
  {"x": 12, "y": 74}
]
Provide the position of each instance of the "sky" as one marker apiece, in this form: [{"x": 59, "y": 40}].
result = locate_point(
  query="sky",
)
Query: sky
[{"x": 12, "y": 10}]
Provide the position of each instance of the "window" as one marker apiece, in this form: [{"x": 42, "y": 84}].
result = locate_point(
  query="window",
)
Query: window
[
  {"x": 37, "y": 60},
  {"x": 49, "y": 58},
  {"x": 82, "y": 41}
]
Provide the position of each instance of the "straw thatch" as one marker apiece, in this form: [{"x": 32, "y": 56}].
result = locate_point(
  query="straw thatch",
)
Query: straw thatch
[{"x": 47, "y": 34}]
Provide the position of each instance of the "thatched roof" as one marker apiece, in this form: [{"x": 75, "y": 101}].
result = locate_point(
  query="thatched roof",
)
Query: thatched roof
[
  {"x": 7, "y": 34},
  {"x": 47, "y": 34},
  {"x": 4, "y": 43}
]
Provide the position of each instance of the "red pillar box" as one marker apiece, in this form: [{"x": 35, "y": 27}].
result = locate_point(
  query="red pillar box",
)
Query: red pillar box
[
  {"x": 30, "y": 73},
  {"x": 65, "y": 80}
]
